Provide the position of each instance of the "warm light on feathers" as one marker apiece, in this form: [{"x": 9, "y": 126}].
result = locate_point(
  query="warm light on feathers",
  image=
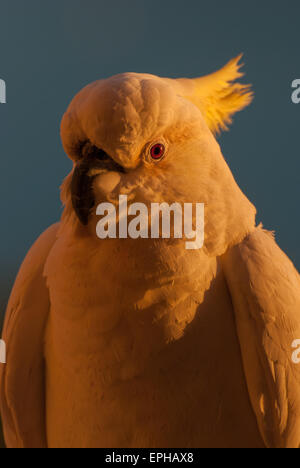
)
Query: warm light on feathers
[
  {"x": 217, "y": 95},
  {"x": 138, "y": 342}
]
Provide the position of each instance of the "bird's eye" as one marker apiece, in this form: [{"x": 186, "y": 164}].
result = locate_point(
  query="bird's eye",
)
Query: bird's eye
[{"x": 157, "y": 151}]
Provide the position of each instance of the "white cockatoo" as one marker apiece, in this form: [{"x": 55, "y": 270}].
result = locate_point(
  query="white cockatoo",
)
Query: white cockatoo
[{"x": 141, "y": 342}]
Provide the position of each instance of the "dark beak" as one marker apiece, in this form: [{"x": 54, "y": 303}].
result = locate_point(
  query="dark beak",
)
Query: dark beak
[
  {"x": 83, "y": 198},
  {"x": 82, "y": 191}
]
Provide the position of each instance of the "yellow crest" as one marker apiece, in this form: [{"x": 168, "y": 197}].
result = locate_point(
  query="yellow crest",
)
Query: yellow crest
[{"x": 217, "y": 95}]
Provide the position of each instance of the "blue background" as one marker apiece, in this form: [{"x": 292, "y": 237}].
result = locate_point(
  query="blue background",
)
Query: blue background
[{"x": 49, "y": 50}]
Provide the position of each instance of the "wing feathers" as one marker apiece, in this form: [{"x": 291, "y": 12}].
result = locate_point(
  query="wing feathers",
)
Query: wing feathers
[
  {"x": 265, "y": 290},
  {"x": 22, "y": 378}
]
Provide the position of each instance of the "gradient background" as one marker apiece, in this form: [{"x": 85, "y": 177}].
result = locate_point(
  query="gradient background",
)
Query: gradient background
[{"x": 50, "y": 50}]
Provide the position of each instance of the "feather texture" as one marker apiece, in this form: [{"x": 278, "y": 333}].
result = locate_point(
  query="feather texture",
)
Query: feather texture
[
  {"x": 217, "y": 95},
  {"x": 140, "y": 342},
  {"x": 265, "y": 289},
  {"x": 23, "y": 377}
]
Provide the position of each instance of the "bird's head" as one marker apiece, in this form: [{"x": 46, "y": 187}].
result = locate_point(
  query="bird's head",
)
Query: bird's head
[{"x": 153, "y": 139}]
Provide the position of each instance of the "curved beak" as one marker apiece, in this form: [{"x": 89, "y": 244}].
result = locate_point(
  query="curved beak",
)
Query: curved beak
[
  {"x": 85, "y": 171},
  {"x": 83, "y": 199}
]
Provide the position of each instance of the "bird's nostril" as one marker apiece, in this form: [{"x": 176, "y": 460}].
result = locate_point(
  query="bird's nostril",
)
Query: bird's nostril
[
  {"x": 102, "y": 156},
  {"x": 88, "y": 150},
  {"x": 97, "y": 157}
]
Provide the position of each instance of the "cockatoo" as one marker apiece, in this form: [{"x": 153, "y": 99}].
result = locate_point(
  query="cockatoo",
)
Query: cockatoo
[{"x": 141, "y": 342}]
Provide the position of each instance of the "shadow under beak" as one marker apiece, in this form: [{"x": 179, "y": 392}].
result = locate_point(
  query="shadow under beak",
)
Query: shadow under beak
[{"x": 83, "y": 198}]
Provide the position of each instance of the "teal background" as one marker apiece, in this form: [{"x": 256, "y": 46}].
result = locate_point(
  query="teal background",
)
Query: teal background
[{"x": 49, "y": 50}]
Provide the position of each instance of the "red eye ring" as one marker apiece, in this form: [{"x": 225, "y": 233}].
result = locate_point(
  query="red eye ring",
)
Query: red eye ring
[{"x": 157, "y": 151}]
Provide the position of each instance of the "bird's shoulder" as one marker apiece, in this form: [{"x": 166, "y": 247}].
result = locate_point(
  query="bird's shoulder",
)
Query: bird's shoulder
[{"x": 35, "y": 259}]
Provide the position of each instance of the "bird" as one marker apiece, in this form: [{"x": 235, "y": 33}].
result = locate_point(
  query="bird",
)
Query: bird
[{"x": 142, "y": 343}]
